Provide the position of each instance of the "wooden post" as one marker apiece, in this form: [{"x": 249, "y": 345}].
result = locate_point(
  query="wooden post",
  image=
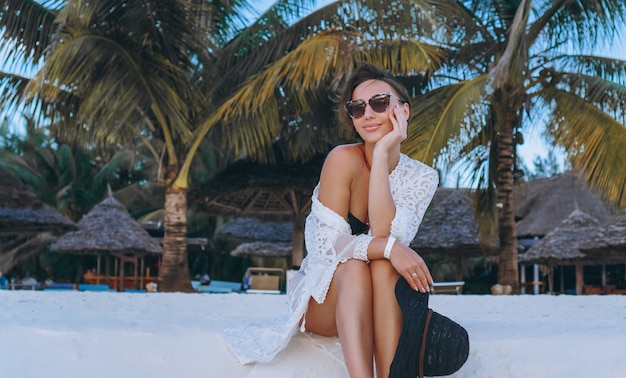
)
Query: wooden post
[
  {"x": 297, "y": 240},
  {"x": 522, "y": 274},
  {"x": 141, "y": 270},
  {"x": 98, "y": 270},
  {"x": 107, "y": 270},
  {"x": 115, "y": 273},
  {"x": 135, "y": 281},
  {"x": 551, "y": 279},
  {"x": 579, "y": 278}
]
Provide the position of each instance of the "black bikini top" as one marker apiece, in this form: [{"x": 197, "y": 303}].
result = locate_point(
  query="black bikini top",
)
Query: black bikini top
[{"x": 356, "y": 225}]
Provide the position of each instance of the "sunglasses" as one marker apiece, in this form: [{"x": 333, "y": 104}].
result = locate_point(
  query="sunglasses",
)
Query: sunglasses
[{"x": 379, "y": 103}]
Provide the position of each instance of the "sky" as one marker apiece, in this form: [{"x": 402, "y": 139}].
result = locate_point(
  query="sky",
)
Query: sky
[{"x": 69, "y": 334}]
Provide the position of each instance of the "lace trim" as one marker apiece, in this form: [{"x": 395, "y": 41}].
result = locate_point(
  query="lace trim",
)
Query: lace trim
[{"x": 360, "y": 248}]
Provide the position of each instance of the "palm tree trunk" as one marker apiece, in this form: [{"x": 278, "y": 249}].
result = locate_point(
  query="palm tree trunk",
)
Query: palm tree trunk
[
  {"x": 174, "y": 272},
  {"x": 507, "y": 267}
]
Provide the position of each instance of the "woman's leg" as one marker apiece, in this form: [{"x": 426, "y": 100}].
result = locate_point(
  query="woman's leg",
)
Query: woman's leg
[
  {"x": 387, "y": 315},
  {"x": 347, "y": 312}
]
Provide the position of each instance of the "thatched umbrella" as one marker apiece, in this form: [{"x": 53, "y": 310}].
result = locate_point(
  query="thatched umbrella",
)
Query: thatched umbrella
[
  {"x": 276, "y": 192},
  {"x": 609, "y": 242},
  {"x": 449, "y": 228},
  {"x": 562, "y": 245},
  {"x": 22, "y": 212},
  {"x": 109, "y": 228},
  {"x": 256, "y": 229},
  {"x": 541, "y": 204},
  {"x": 262, "y": 249},
  {"x": 27, "y": 224}
]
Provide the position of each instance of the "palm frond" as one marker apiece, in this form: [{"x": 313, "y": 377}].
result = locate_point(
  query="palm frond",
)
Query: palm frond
[
  {"x": 444, "y": 115},
  {"x": 377, "y": 23},
  {"x": 603, "y": 67},
  {"x": 106, "y": 82},
  {"x": 28, "y": 174},
  {"x": 250, "y": 118},
  {"x": 583, "y": 24},
  {"x": 27, "y": 27},
  {"x": 511, "y": 64},
  {"x": 605, "y": 94},
  {"x": 410, "y": 57},
  {"x": 12, "y": 89},
  {"x": 594, "y": 142}
]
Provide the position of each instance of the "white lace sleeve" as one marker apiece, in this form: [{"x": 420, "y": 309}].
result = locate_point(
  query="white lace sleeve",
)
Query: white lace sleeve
[
  {"x": 360, "y": 247},
  {"x": 413, "y": 185}
]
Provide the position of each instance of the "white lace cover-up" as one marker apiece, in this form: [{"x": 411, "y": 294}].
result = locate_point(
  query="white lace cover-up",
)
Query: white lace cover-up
[{"x": 329, "y": 242}]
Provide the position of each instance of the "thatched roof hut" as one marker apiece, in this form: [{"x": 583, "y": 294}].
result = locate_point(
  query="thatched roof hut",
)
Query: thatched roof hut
[
  {"x": 107, "y": 228},
  {"x": 541, "y": 204},
  {"x": 27, "y": 224},
  {"x": 21, "y": 212},
  {"x": 262, "y": 249},
  {"x": 256, "y": 229},
  {"x": 272, "y": 192},
  {"x": 562, "y": 245},
  {"x": 276, "y": 192},
  {"x": 609, "y": 242},
  {"x": 449, "y": 227}
]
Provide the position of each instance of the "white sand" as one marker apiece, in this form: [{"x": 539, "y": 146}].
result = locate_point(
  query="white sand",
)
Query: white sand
[{"x": 96, "y": 334}]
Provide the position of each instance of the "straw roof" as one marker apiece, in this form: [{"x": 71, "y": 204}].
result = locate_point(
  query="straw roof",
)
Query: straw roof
[
  {"x": 274, "y": 192},
  {"x": 542, "y": 204},
  {"x": 22, "y": 212},
  {"x": 562, "y": 245},
  {"x": 108, "y": 227},
  {"x": 256, "y": 229},
  {"x": 609, "y": 242},
  {"x": 449, "y": 227},
  {"x": 262, "y": 249}
]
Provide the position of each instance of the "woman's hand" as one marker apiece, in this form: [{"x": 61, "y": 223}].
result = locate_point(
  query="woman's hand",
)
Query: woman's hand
[
  {"x": 399, "y": 121},
  {"x": 411, "y": 266}
]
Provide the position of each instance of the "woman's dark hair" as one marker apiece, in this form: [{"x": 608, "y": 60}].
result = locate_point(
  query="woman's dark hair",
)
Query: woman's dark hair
[{"x": 367, "y": 71}]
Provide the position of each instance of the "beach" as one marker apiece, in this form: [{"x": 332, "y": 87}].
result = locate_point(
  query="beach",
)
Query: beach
[{"x": 109, "y": 334}]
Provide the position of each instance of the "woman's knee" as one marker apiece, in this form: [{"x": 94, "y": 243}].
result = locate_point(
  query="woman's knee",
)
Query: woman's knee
[
  {"x": 382, "y": 270},
  {"x": 353, "y": 272}
]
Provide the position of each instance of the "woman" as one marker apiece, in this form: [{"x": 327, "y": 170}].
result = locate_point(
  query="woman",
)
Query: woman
[
  {"x": 365, "y": 211},
  {"x": 371, "y": 187}
]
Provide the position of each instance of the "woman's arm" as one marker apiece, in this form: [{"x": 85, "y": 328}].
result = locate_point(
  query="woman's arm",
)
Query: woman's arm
[{"x": 381, "y": 207}]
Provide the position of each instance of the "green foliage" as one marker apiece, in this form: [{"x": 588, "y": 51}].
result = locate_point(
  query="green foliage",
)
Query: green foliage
[{"x": 70, "y": 179}]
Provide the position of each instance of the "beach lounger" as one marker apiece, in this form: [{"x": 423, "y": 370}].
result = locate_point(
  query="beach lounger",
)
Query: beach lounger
[
  {"x": 265, "y": 280},
  {"x": 453, "y": 287},
  {"x": 217, "y": 287},
  {"x": 93, "y": 287}
]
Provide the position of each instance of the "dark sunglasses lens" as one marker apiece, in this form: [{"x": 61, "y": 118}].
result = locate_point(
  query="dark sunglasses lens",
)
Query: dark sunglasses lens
[
  {"x": 379, "y": 103},
  {"x": 356, "y": 109}
]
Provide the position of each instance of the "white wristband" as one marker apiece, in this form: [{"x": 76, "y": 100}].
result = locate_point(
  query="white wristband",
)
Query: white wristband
[{"x": 390, "y": 242}]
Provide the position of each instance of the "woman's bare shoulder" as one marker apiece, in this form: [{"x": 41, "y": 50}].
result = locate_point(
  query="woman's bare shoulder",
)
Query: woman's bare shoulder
[
  {"x": 342, "y": 163},
  {"x": 345, "y": 154}
]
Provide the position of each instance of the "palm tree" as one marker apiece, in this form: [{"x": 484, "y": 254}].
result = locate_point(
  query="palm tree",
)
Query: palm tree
[
  {"x": 172, "y": 74},
  {"x": 526, "y": 64}
]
